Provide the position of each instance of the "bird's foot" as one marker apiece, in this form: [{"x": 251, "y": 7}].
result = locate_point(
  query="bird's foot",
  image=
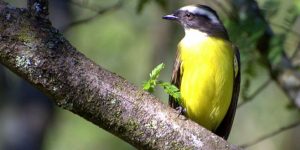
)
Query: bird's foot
[{"x": 180, "y": 110}]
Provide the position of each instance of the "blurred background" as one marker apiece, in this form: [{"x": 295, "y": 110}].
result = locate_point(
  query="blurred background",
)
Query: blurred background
[{"x": 129, "y": 37}]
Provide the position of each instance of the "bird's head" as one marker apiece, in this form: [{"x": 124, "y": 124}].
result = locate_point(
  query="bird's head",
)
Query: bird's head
[{"x": 199, "y": 17}]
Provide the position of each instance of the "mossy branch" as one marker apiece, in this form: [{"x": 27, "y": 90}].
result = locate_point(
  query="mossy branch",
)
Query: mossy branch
[{"x": 33, "y": 49}]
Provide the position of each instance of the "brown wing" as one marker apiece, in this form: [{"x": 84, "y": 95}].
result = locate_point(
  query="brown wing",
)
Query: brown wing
[
  {"x": 176, "y": 79},
  {"x": 224, "y": 129}
]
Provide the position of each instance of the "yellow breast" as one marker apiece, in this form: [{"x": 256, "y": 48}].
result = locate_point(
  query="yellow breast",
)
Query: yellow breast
[{"x": 207, "y": 77}]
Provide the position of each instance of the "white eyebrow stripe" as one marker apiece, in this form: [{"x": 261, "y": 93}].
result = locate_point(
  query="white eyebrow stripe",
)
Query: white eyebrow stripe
[{"x": 196, "y": 10}]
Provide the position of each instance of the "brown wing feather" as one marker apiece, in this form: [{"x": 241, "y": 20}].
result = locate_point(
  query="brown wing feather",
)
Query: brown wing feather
[
  {"x": 176, "y": 79},
  {"x": 224, "y": 129}
]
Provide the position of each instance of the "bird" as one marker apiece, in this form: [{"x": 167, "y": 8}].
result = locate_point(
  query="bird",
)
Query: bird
[{"x": 206, "y": 70}]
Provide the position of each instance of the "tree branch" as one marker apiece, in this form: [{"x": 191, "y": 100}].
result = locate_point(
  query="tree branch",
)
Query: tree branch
[
  {"x": 37, "y": 52},
  {"x": 255, "y": 93},
  {"x": 100, "y": 12},
  {"x": 294, "y": 55},
  {"x": 272, "y": 134},
  {"x": 284, "y": 74}
]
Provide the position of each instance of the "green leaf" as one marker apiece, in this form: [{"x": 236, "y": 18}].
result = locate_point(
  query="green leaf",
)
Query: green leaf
[
  {"x": 156, "y": 71},
  {"x": 148, "y": 87},
  {"x": 152, "y": 82},
  {"x": 171, "y": 89},
  {"x": 276, "y": 48},
  {"x": 270, "y": 8}
]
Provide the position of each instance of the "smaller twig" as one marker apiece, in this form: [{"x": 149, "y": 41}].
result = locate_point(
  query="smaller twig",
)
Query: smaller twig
[
  {"x": 269, "y": 135},
  {"x": 288, "y": 29},
  {"x": 98, "y": 13},
  {"x": 293, "y": 56},
  {"x": 255, "y": 93},
  {"x": 286, "y": 91}
]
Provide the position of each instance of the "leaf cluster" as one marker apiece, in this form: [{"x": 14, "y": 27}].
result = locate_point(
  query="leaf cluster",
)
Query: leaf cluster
[{"x": 153, "y": 81}]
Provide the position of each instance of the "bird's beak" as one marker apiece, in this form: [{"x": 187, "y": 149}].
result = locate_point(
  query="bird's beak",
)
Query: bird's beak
[{"x": 170, "y": 17}]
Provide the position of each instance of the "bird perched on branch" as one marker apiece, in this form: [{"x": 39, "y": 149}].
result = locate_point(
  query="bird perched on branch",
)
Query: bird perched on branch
[{"x": 206, "y": 70}]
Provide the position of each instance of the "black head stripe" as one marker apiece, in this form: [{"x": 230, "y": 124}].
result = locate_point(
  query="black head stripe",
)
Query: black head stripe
[
  {"x": 208, "y": 9},
  {"x": 203, "y": 11}
]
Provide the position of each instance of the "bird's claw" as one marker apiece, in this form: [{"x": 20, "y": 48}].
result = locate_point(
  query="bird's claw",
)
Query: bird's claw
[{"x": 180, "y": 110}]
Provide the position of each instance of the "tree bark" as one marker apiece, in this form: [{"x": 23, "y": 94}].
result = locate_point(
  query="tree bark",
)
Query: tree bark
[{"x": 33, "y": 49}]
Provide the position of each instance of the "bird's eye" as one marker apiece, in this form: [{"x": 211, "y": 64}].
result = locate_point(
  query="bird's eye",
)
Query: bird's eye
[{"x": 189, "y": 16}]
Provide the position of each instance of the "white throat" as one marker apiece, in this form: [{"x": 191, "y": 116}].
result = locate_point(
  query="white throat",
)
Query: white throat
[{"x": 193, "y": 36}]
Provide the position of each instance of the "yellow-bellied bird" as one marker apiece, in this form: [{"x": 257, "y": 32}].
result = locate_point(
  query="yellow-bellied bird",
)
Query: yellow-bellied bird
[{"x": 206, "y": 70}]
